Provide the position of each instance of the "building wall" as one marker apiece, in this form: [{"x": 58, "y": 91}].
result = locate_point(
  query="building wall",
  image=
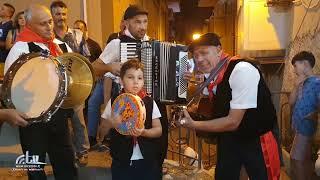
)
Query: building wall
[
  {"x": 262, "y": 31},
  {"x": 223, "y": 23},
  {"x": 95, "y": 20}
]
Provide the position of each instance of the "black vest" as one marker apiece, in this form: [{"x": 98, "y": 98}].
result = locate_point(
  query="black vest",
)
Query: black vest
[
  {"x": 61, "y": 113},
  {"x": 122, "y": 146},
  {"x": 256, "y": 121}
]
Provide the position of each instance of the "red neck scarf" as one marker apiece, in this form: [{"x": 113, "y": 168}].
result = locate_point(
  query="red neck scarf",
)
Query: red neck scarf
[
  {"x": 29, "y": 36},
  {"x": 220, "y": 75}
]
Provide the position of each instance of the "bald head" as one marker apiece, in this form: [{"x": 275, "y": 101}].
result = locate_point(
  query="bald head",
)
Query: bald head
[{"x": 39, "y": 20}]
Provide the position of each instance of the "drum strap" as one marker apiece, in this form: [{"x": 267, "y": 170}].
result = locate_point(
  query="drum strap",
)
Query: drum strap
[
  {"x": 63, "y": 47},
  {"x": 35, "y": 48}
]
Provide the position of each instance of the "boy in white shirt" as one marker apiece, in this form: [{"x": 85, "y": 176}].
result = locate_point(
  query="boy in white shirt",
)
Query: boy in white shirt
[{"x": 135, "y": 156}]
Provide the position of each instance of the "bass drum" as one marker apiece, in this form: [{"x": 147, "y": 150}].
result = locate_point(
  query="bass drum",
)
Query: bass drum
[{"x": 36, "y": 85}]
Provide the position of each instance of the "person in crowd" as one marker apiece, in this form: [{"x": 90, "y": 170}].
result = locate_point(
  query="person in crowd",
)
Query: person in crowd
[
  {"x": 18, "y": 25},
  {"x": 74, "y": 38},
  {"x": 136, "y": 23},
  {"x": 305, "y": 101},
  {"x": 6, "y": 13},
  {"x": 53, "y": 137},
  {"x": 93, "y": 46}
]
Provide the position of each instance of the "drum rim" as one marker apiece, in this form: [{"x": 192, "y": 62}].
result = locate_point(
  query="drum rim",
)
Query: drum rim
[{"x": 62, "y": 87}]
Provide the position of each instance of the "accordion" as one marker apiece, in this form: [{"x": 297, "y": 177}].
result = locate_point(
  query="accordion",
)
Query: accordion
[{"x": 164, "y": 65}]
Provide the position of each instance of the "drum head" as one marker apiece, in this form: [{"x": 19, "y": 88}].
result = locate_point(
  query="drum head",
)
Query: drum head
[
  {"x": 132, "y": 110},
  {"x": 35, "y": 86},
  {"x": 32, "y": 86}
]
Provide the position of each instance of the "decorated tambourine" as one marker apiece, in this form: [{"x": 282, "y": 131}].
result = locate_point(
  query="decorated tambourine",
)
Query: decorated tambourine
[{"x": 132, "y": 110}]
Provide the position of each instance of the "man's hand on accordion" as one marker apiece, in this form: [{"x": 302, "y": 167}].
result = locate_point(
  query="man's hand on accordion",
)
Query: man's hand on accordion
[
  {"x": 187, "y": 75},
  {"x": 115, "y": 68}
]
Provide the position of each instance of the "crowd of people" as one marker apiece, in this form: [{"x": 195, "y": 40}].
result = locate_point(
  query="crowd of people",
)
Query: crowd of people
[{"x": 244, "y": 118}]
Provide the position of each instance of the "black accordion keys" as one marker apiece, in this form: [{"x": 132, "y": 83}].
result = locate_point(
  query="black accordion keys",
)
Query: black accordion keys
[{"x": 164, "y": 65}]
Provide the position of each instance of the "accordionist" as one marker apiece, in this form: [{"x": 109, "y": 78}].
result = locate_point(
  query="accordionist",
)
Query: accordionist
[{"x": 109, "y": 62}]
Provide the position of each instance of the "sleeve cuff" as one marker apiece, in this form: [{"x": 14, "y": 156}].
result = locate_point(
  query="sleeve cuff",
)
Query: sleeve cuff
[{"x": 242, "y": 106}]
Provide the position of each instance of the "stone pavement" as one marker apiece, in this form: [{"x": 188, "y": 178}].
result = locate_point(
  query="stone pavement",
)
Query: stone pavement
[{"x": 98, "y": 167}]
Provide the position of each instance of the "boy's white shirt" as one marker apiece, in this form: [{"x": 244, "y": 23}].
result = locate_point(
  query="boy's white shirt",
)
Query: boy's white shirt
[{"x": 136, "y": 153}]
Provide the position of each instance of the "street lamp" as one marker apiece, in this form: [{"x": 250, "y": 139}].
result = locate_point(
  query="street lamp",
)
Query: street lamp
[{"x": 196, "y": 36}]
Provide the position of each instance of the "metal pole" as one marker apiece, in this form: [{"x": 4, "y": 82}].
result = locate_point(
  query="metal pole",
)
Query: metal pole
[
  {"x": 179, "y": 141},
  {"x": 200, "y": 152}
]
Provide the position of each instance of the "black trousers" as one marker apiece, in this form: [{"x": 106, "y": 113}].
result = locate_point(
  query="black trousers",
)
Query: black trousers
[
  {"x": 164, "y": 137},
  {"x": 135, "y": 170},
  {"x": 233, "y": 153},
  {"x": 52, "y": 138}
]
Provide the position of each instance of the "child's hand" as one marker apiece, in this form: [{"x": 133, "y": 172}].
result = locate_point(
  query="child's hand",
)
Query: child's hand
[
  {"x": 116, "y": 120},
  {"x": 136, "y": 132}
]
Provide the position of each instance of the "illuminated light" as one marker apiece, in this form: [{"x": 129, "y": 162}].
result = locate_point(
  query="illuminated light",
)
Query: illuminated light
[{"x": 196, "y": 36}]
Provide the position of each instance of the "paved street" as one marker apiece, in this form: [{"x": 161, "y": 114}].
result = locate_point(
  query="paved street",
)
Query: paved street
[{"x": 98, "y": 167}]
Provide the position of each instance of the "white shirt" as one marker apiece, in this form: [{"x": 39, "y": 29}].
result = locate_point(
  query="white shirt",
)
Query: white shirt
[
  {"x": 20, "y": 48},
  {"x": 244, "y": 80},
  {"x": 111, "y": 52},
  {"x": 136, "y": 153}
]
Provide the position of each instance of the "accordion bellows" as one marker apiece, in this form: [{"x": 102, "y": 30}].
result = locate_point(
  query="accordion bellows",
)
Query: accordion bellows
[{"x": 164, "y": 65}]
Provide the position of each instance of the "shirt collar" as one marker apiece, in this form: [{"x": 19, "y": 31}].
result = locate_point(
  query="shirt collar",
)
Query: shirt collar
[{"x": 127, "y": 33}]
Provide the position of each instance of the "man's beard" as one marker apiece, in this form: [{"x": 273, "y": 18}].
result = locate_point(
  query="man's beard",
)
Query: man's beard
[{"x": 140, "y": 35}]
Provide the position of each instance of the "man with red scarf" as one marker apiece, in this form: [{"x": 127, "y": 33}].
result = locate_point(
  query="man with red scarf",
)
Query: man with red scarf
[
  {"x": 53, "y": 137},
  {"x": 242, "y": 111}
]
